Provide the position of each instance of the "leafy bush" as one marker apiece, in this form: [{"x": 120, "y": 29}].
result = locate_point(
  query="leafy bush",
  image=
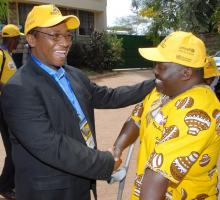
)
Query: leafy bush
[{"x": 102, "y": 52}]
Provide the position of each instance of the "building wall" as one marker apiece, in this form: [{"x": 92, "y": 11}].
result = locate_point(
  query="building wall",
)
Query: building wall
[{"x": 98, "y": 7}]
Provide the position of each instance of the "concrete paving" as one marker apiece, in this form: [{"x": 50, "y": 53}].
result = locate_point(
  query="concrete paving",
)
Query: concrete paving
[{"x": 108, "y": 126}]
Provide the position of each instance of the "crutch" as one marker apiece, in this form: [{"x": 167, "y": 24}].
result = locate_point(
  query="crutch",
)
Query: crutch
[{"x": 120, "y": 175}]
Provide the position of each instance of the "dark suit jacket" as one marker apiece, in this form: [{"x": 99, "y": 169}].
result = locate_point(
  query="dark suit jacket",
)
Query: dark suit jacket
[{"x": 52, "y": 161}]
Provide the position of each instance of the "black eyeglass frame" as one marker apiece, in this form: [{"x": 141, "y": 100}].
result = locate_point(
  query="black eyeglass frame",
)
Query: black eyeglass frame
[{"x": 57, "y": 36}]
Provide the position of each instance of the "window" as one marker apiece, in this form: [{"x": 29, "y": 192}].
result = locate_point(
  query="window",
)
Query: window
[
  {"x": 69, "y": 11},
  {"x": 23, "y": 10},
  {"x": 86, "y": 22}
]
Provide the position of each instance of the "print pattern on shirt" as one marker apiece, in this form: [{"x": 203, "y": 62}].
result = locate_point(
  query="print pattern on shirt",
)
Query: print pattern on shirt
[
  {"x": 212, "y": 171},
  {"x": 136, "y": 113},
  {"x": 168, "y": 196},
  {"x": 137, "y": 185},
  {"x": 185, "y": 103},
  {"x": 181, "y": 165},
  {"x": 197, "y": 120},
  {"x": 216, "y": 115},
  {"x": 155, "y": 160},
  {"x": 201, "y": 197},
  {"x": 205, "y": 160},
  {"x": 183, "y": 194},
  {"x": 11, "y": 65},
  {"x": 155, "y": 112},
  {"x": 138, "y": 109},
  {"x": 169, "y": 133}
]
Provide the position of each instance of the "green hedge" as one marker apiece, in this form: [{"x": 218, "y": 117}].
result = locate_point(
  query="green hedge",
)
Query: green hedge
[{"x": 131, "y": 56}]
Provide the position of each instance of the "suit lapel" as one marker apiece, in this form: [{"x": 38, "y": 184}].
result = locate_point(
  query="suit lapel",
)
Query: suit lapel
[{"x": 50, "y": 81}]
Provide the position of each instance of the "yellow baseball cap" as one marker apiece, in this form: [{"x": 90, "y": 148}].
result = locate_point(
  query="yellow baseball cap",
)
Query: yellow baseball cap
[
  {"x": 11, "y": 30},
  {"x": 178, "y": 47},
  {"x": 47, "y": 16},
  {"x": 210, "y": 68}
]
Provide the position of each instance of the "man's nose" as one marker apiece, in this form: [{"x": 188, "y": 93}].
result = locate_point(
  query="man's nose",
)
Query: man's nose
[{"x": 155, "y": 69}]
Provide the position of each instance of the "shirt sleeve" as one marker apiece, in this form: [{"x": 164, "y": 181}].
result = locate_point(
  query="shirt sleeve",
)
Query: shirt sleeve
[{"x": 137, "y": 113}]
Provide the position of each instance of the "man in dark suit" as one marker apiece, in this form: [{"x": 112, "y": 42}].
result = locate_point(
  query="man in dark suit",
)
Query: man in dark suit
[{"x": 52, "y": 123}]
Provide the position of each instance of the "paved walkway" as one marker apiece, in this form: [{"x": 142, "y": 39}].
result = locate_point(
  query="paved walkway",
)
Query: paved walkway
[{"x": 108, "y": 125}]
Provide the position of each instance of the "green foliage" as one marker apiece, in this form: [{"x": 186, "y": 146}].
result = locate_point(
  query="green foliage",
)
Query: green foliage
[
  {"x": 198, "y": 16},
  {"x": 3, "y": 11},
  {"x": 102, "y": 52}
]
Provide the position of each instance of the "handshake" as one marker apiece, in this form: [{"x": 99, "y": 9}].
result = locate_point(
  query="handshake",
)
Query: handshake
[
  {"x": 116, "y": 153},
  {"x": 127, "y": 136},
  {"x": 120, "y": 174}
]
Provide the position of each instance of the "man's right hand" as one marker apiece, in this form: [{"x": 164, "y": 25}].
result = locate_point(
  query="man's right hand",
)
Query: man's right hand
[
  {"x": 117, "y": 164},
  {"x": 117, "y": 158}
]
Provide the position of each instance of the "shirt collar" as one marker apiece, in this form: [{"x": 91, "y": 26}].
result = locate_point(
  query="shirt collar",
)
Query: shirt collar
[{"x": 58, "y": 73}]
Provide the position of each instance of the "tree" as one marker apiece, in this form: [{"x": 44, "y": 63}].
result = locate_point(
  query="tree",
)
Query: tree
[
  {"x": 3, "y": 11},
  {"x": 200, "y": 16},
  {"x": 161, "y": 15},
  {"x": 102, "y": 52},
  {"x": 168, "y": 15},
  {"x": 133, "y": 24}
]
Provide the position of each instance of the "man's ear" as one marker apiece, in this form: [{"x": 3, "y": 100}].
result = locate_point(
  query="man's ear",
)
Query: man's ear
[
  {"x": 187, "y": 73},
  {"x": 31, "y": 40}
]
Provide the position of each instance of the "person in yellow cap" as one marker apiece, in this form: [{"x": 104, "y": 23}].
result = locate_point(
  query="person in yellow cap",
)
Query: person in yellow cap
[
  {"x": 10, "y": 38},
  {"x": 211, "y": 74},
  {"x": 178, "y": 125},
  {"x": 52, "y": 123}
]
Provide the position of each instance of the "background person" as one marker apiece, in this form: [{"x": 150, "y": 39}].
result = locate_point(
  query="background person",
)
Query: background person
[
  {"x": 52, "y": 124},
  {"x": 10, "y": 39},
  {"x": 178, "y": 124},
  {"x": 211, "y": 73}
]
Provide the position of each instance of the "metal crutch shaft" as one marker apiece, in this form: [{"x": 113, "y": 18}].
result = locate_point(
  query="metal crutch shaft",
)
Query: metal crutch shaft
[{"x": 126, "y": 165}]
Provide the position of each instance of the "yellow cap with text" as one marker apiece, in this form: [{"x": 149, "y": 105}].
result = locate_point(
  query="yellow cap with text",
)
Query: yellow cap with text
[
  {"x": 47, "y": 16},
  {"x": 210, "y": 69},
  {"x": 11, "y": 30},
  {"x": 179, "y": 47}
]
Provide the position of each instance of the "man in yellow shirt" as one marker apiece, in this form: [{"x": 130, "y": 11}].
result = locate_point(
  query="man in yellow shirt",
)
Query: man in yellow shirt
[
  {"x": 10, "y": 38},
  {"x": 178, "y": 124}
]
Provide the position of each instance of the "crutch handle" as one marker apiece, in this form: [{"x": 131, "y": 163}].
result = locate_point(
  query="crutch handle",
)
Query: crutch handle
[{"x": 118, "y": 176}]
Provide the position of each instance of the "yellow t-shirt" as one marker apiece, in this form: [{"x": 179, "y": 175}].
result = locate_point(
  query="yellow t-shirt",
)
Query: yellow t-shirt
[
  {"x": 180, "y": 139},
  {"x": 9, "y": 68}
]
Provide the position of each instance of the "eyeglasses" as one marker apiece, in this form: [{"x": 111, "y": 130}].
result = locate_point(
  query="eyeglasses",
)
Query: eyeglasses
[{"x": 57, "y": 36}]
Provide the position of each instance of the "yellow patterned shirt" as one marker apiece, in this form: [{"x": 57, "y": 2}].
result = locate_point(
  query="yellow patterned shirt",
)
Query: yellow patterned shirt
[
  {"x": 180, "y": 139},
  {"x": 9, "y": 68}
]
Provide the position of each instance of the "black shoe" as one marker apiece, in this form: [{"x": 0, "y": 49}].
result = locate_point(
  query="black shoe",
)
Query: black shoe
[{"x": 9, "y": 195}]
